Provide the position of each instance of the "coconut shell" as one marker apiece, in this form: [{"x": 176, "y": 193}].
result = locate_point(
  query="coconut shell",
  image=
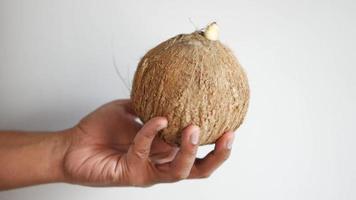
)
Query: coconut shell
[{"x": 190, "y": 79}]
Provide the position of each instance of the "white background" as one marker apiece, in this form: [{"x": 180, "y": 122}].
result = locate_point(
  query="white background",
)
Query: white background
[{"x": 298, "y": 140}]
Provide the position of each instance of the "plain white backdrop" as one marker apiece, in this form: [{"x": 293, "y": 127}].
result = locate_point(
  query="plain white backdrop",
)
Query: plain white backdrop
[{"x": 298, "y": 140}]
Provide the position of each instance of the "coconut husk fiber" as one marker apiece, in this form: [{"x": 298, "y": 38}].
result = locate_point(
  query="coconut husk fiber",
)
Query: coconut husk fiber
[{"x": 190, "y": 79}]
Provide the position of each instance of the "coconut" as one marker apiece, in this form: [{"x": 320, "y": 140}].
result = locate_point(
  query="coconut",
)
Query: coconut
[{"x": 191, "y": 79}]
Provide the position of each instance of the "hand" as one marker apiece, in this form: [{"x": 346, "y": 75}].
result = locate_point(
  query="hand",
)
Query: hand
[{"x": 110, "y": 147}]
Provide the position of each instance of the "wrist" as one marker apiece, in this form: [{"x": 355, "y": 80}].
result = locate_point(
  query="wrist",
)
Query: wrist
[{"x": 61, "y": 142}]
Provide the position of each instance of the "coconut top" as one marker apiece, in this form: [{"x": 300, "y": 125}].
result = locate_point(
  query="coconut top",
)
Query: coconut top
[
  {"x": 195, "y": 48},
  {"x": 212, "y": 31}
]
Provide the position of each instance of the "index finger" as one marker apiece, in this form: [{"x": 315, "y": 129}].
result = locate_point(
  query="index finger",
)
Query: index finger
[{"x": 140, "y": 148}]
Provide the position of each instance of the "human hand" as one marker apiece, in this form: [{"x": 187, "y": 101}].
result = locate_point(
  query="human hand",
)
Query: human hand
[{"x": 110, "y": 147}]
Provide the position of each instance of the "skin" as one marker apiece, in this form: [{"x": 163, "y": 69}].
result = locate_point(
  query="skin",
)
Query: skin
[{"x": 109, "y": 147}]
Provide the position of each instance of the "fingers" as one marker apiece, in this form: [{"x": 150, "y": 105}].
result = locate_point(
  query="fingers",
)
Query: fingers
[
  {"x": 141, "y": 146},
  {"x": 181, "y": 166},
  {"x": 203, "y": 168}
]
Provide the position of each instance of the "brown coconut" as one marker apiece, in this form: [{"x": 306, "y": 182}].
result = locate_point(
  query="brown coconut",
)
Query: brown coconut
[{"x": 191, "y": 79}]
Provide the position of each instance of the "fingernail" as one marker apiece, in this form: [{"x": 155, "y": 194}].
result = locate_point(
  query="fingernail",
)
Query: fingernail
[
  {"x": 230, "y": 142},
  {"x": 163, "y": 125},
  {"x": 194, "y": 137}
]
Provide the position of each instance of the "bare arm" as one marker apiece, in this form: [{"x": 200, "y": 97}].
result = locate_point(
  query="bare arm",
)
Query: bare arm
[{"x": 29, "y": 158}]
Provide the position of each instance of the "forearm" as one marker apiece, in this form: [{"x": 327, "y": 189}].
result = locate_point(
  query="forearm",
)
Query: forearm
[{"x": 28, "y": 158}]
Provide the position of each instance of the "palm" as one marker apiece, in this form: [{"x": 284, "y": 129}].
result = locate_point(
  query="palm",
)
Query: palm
[{"x": 101, "y": 142}]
